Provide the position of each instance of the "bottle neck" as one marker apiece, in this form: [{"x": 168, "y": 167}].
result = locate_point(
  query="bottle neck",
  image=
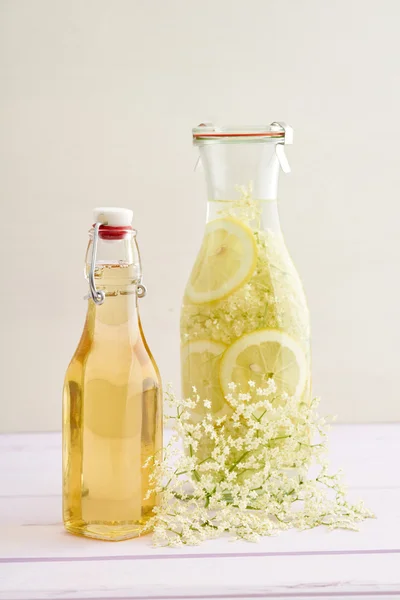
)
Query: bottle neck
[
  {"x": 260, "y": 214},
  {"x": 117, "y": 274},
  {"x": 242, "y": 182},
  {"x": 231, "y": 168},
  {"x": 269, "y": 218},
  {"x": 118, "y": 310}
]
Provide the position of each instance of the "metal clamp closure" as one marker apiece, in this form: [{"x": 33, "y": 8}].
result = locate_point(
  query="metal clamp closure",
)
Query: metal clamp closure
[
  {"x": 280, "y": 146},
  {"x": 98, "y": 296}
]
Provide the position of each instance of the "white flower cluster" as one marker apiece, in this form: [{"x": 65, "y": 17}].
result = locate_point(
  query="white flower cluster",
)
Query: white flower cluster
[
  {"x": 245, "y": 209},
  {"x": 255, "y": 480}
]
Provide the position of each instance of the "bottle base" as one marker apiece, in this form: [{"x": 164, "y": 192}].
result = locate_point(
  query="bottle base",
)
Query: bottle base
[{"x": 108, "y": 531}]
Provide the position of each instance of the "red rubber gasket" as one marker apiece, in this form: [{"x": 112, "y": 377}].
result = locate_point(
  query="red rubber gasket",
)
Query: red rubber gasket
[{"x": 107, "y": 232}]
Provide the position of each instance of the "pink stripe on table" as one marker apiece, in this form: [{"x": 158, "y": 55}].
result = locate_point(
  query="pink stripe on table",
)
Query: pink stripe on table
[
  {"x": 294, "y": 595},
  {"x": 48, "y": 559}
]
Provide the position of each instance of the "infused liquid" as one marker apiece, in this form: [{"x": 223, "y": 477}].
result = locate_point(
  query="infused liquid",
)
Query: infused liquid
[
  {"x": 255, "y": 331},
  {"x": 112, "y": 415}
]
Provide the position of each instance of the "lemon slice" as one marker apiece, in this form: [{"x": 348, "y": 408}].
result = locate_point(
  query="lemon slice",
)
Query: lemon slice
[
  {"x": 265, "y": 354},
  {"x": 200, "y": 368},
  {"x": 226, "y": 260}
]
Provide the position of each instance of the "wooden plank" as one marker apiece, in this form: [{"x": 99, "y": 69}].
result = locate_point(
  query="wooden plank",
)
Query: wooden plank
[
  {"x": 31, "y": 527},
  {"x": 39, "y": 560},
  {"x": 31, "y": 463},
  {"x": 236, "y": 577}
]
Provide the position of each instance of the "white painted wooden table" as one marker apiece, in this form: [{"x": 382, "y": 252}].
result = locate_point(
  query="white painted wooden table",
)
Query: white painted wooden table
[{"x": 38, "y": 560}]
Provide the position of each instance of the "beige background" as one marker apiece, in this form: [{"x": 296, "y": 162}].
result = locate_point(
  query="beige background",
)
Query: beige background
[{"x": 97, "y": 102}]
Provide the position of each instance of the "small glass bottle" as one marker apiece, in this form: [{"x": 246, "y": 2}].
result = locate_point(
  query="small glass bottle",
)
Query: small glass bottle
[
  {"x": 112, "y": 405},
  {"x": 244, "y": 316}
]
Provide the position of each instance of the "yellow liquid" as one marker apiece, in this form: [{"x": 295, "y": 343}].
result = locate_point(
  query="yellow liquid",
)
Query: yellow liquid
[
  {"x": 272, "y": 298},
  {"x": 112, "y": 417}
]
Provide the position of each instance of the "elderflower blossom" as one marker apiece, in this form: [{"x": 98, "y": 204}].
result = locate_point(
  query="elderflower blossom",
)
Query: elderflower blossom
[
  {"x": 255, "y": 480},
  {"x": 274, "y": 298}
]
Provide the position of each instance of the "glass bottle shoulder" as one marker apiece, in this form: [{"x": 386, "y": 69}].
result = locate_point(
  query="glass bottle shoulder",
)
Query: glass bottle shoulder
[{"x": 112, "y": 347}]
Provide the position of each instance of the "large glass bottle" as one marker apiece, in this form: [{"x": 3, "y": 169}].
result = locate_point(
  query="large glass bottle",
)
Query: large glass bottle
[
  {"x": 244, "y": 316},
  {"x": 112, "y": 408}
]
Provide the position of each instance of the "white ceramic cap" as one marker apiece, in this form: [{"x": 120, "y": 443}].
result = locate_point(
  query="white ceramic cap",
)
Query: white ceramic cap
[{"x": 115, "y": 217}]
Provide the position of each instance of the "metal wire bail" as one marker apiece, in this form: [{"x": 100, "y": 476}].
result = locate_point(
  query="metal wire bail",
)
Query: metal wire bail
[
  {"x": 98, "y": 296},
  {"x": 141, "y": 290}
]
